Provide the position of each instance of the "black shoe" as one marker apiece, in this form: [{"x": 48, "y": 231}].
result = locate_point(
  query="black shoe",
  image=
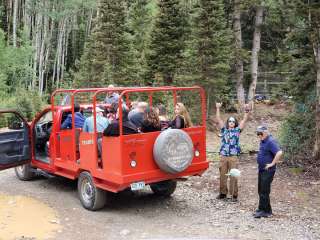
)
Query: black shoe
[
  {"x": 234, "y": 199},
  {"x": 221, "y": 196},
  {"x": 256, "y": 211},
  {"x": 261, "y": 214}
]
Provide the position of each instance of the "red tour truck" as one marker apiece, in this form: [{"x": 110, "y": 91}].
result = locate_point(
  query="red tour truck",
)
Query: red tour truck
[{"x": 157, "y": 159}]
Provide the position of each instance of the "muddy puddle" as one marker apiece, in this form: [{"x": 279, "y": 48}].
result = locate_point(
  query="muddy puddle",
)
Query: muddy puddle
[{"x": 26, "y": 218}]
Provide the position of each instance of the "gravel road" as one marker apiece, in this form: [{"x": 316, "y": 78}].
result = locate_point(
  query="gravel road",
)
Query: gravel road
[{"x": 191, "y": 213}]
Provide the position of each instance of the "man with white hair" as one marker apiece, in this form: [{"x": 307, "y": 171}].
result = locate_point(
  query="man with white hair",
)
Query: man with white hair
[
  {"x": 101, "y": 123},
  {"x": 112, "y": 97},
  {"x": 268, "y": 157}
]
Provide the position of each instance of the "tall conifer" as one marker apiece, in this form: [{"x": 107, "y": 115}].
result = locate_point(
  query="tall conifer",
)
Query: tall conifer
[
  {"x": 107, "y": 55},
  {"x": 167, "y": 40},
  {"x": 140, "y": 23},
  {"x": 213, "y": 47}
]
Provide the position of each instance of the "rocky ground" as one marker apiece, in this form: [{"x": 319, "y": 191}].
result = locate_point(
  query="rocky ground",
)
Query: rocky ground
[{"x": 191, "y": 213}]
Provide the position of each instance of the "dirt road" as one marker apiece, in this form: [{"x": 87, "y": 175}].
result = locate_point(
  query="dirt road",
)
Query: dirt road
[{"x": 191, "y": 213}]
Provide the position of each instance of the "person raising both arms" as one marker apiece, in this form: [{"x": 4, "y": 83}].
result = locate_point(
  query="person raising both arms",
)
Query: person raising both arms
[{"x": 229, "y": 151}]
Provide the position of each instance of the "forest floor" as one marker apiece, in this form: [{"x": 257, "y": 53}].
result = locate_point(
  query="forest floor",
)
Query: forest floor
[{"x": 191, "y": 213}]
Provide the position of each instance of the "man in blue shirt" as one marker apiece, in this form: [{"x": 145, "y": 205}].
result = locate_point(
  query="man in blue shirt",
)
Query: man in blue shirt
[
  {"x": 78, "y": 119},
  {"x": 268, "y": 156},
  {"x": 101, "y": 121},
  {"x": 102, "y": 124}
]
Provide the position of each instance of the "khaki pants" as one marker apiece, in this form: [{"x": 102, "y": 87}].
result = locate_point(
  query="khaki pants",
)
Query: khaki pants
[{"x": 226, "y": 163}]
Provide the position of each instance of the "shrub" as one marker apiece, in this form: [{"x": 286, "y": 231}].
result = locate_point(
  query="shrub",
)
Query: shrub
[{"x": 297, "y": 134}]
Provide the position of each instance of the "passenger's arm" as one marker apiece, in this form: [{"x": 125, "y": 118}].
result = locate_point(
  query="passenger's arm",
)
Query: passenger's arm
[
  {"x": 112, "y": 130},
  {"x": 179, "y": 122},
  {"x": 85, "y": 127},
  {"x": 67, "y": 122},
  {"x": 219, "y": 120}
]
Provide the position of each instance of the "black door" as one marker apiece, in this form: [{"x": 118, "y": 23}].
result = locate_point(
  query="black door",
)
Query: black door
[{"x": 14, "y": 140}]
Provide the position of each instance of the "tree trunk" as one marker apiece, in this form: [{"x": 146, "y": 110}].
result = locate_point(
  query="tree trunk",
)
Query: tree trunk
[
  {"x": 238, "y": 47},
  {"x": 316, "y": 151},
  {"x": 255, "y": 52},
  {"x": 14, "y": 23}
]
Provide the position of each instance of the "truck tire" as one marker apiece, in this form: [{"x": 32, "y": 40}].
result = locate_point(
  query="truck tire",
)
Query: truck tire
[
  {"x": 165, "y": 188},
  {"x": 91, "y": 197},
  {"x": 173, "y": 151},
  {"x": 25, "y": 172}
]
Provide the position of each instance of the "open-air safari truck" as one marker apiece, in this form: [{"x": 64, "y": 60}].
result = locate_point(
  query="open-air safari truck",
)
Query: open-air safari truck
[{"x": 157, "y": 159}]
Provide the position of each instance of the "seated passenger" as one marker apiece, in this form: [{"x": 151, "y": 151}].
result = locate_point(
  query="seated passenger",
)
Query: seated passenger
[
  {"x": 182, "y": 118},
  {"x": 101, "y": 121},
  {"x": 151, "y": 122},
  {"x": 137, "y": 117},
  {"x": 127, "y": 126},
  {"x": 112, "y": 96},
  {"x": 78, "y": 120},
  {"x": 133, "y": 109},
  {"x": 164, "y": 121}
]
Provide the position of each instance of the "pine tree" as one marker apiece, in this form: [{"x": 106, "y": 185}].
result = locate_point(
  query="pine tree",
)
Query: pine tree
[
  {"x": 107, "y": 55},
  {"x": 167, "y": 41},
  {"x": 213, "y": 47},
  {"x": 140, "y": 23}
]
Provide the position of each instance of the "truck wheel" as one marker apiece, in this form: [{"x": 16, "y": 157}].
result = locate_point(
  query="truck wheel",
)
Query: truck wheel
[
  {"x": 173, "y": 151},
  {"x": 165, "y": 188},
  {"x": 25, "y": 172},
  {"x": 91, "y": 197}
]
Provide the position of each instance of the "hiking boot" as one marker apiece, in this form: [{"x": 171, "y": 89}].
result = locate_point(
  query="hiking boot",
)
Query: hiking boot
[{"x": 221, "y": 196}]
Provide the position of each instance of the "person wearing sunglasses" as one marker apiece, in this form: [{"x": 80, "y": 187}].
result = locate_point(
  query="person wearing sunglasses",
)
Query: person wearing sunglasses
[
  {"x": 268, "y": 157},
  {"x": 229, "y": 151}
]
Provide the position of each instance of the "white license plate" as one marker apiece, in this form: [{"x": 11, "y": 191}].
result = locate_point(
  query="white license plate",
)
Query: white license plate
[{"x": 137, "y": 186}]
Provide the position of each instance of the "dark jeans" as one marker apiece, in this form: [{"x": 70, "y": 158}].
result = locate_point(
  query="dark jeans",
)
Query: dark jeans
[{"x": 264, "y": 187}]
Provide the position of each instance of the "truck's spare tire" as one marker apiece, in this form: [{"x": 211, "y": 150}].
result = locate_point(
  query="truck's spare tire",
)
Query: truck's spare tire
[{"x": 173, "y": 151}]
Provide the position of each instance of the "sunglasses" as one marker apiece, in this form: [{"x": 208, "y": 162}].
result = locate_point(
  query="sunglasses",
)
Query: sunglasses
[
  {"x": 259, "y": 134},
  {"x": 231, "y": 121}
]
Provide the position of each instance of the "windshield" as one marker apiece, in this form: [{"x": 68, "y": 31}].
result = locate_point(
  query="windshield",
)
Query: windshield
[{"x": 47, "y": 117}]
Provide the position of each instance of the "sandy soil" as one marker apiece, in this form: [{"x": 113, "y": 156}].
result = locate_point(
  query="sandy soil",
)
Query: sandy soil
[{"x": 17, "y": 213}]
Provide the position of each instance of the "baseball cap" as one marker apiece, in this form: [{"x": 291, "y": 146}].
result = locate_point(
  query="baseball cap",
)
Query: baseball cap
[
  {"x": 99, "y": 109},
  {"x": 261, "y": 129}
]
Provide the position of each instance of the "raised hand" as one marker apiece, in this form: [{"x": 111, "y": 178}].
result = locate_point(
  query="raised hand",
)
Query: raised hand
[
  {"x": 247, "y": 108},
  {"x": 218, "y": 105}
]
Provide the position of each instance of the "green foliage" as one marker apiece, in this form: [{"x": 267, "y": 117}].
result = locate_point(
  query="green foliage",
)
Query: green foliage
[
  {"x": 297, "y": 134},
  {"x": 213, "y": 49},
  {"x": 140, "y": 24},
  {"x": 298, "y": 131},
  {"x": 28, "y": 103},
  {"x": 167, "y": 41},
  {"x": 108, "y": 57},
  {"x": 14, "y": 65}
]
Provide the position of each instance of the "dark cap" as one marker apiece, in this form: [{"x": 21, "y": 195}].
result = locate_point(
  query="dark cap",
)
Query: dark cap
[{"x": 262, "y": 128}]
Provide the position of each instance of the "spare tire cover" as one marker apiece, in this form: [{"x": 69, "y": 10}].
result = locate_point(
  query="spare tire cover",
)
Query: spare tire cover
[{"x": 173, "y": 151}]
